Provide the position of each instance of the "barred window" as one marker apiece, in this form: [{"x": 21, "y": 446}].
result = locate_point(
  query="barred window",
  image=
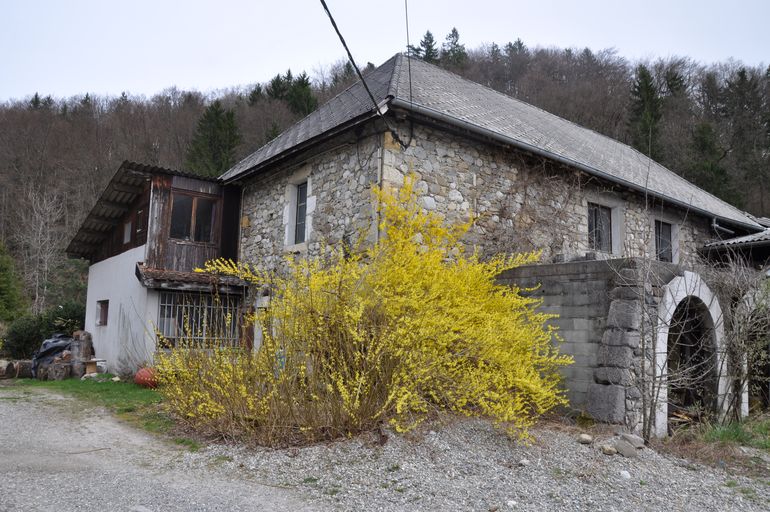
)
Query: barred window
[
  {"x": 599, "y": 228},
  {"x": 199, "y": 318}
]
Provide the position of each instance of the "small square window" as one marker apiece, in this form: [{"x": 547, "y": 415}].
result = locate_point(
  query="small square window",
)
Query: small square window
[
  {"x": 102, "y": 312},
  {"x": 664, "y": 247},
  {"x": 599, "y": 228}
]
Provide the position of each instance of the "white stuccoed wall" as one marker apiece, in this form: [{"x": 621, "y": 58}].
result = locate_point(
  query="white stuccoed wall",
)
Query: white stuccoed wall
[{"x": 127, "y": 340}]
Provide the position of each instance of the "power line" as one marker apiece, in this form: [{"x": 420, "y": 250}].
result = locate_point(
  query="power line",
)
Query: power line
[
  {"x": 361, "y": 77},
  {"x": 350, "y": 57}
]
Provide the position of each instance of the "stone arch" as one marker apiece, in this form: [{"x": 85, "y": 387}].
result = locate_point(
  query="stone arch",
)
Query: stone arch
[{"x": 681, "y": 289}]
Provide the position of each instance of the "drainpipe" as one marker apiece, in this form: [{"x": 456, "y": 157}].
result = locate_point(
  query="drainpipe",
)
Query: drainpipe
[{"x": 716, "y": 227}]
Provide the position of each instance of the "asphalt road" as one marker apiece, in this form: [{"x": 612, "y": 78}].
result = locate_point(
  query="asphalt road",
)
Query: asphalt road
[{"x": 56, "y": 454}]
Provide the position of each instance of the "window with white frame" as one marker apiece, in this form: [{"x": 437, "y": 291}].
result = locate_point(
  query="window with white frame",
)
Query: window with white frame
[
  {"x": 599, "y": 227},
  {"x": 606, "y": 218},
  {"x": 299, "y": 204},
  {"x": 301, "y": 213}
]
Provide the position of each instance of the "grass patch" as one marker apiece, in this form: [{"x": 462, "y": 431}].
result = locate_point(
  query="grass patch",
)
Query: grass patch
[
  {"x": 720, "y": 445},
  {"x": 137, "y": 405},
  {"x": 754, "y": 432},
  {"x": 190, "y": 444}
]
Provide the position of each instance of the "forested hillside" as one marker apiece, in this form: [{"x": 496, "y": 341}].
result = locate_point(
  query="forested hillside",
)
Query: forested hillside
[{"x": 709, "y": 122}]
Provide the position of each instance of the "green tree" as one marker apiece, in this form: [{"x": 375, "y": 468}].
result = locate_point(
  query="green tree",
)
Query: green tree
[
  {"x": 11, "y": 299},
  {"x": 256, "y": 95},
  {"x": 645, "y": 112},
  {"x": 427, "y": 49},
  {"x": 707, "y": 169},
  {"x": 300, "y": 96},
  {"x": 212, "y": 149},
  {"x": 453, "y": 54},
  {"x": 748, "y": 135}
]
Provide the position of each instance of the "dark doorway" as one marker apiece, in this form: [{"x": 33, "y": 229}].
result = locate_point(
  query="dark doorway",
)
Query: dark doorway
[{"x": 692, "y": 364}]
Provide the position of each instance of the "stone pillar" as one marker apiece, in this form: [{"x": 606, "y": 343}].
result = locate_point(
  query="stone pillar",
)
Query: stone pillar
[{"x": 614, "y": 396}]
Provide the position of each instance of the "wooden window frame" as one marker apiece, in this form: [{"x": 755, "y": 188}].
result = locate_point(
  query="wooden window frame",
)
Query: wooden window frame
[{"x": 213, "y": 240}]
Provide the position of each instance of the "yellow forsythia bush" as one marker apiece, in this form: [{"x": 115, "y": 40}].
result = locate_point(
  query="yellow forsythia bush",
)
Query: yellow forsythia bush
[{"x": 389, "y": 332}]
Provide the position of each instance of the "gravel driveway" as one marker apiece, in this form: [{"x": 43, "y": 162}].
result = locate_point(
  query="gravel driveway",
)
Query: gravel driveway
[{"x": 56, "y": 455}]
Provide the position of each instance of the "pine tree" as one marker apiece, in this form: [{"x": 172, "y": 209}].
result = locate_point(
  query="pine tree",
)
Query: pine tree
[
  {"x": 707, "y": 169},
  {"x": 256, "y": 95},
  {"x": 11, "y": 301},
  {"x": 453, "y": 54},
  {"x": 212, "y": 149},
  {"x": 428, "y": 50},
  {"x": 645, "y": 112},
  {"x": 300, "y": 96}
]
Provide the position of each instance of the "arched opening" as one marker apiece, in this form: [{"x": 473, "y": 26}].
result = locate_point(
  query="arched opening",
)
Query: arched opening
[
  {"x": 690, "y": 318},
  {"x": 691, "y": 364}
]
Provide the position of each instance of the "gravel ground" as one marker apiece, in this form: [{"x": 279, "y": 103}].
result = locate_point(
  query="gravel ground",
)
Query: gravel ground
[
  {"x": 55, "y": 454},
  {"x": 469, "y": 465}
]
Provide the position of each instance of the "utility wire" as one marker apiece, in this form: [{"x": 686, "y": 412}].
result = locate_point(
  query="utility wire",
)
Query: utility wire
[
  {"x": 361, "y": 77},
  {"x": 350, "y": 57}
]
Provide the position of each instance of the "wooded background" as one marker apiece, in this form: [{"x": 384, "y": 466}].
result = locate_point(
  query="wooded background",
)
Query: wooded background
[{"x": 708, "y": 122}]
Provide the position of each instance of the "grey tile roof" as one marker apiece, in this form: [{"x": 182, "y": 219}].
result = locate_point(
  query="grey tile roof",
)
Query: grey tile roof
[
  {"x": 761, "y": 238},
  {"x": 446, "y": 96}
]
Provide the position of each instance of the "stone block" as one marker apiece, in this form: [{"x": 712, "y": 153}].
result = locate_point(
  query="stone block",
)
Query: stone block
[
  {"x": 625, "y": 314},
  {"x": 607, "y": 403},
  {"x": 621, "y": 338},
  {"x": 607, "y": 375},
  {"x": 617, "y": 357},
  {"x": 627, "y": 293}
]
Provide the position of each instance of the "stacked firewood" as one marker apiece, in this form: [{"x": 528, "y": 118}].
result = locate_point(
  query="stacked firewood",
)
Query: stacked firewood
[{"x": 21, "y": 369}]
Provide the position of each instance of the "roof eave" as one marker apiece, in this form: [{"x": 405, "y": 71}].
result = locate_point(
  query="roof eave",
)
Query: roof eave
[
  {"x": 429, "y": 112},
  {"x": 318, "y": 139}
]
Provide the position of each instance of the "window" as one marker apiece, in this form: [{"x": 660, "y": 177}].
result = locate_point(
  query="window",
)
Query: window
[
  {"x": 301, "y": 214},
  {"x": 102, "y": 312},
  {"x": 127, "y": 233},
  {"x": 192, "y": 218},
  {"x": 664, "y": 247},
  {"x": 199, "y": 318},
  {"x": 599, "y": 227}
]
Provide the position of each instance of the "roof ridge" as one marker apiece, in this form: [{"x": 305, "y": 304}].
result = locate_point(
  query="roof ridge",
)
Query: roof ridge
[
  {"x": 395, "y": 76},
  {"x": 646, "y": 158}
]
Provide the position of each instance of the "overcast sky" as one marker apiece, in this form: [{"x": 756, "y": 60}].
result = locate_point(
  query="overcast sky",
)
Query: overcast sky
[{"x": 72, "y": 47}]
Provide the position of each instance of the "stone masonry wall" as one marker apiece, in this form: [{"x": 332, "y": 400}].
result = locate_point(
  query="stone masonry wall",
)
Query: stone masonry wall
[
  {"x": 526, "y": 204},
  {"x": 339, "y": 203}
]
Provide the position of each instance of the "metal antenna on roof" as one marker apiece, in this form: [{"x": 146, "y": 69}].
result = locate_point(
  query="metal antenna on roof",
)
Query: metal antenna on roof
[
  {"x": 360, "y": 76},
  {"x": 408, "y": 49}
]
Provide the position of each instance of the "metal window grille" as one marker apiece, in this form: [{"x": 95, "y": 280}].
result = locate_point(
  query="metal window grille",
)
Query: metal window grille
[
  {"x": 599, "y": 228},
  {"x": 199, "y": 319}
]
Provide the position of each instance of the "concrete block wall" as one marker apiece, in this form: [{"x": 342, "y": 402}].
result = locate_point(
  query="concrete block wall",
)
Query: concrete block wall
[{"x": 579, "y": 292}]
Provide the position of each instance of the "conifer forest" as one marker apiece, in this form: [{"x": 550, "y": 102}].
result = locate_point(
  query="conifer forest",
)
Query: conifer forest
[{"x": 709, "y": 122}]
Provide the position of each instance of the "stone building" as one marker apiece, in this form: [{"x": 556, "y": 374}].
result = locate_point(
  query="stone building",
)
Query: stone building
[{"x": 617, "y": 230}]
